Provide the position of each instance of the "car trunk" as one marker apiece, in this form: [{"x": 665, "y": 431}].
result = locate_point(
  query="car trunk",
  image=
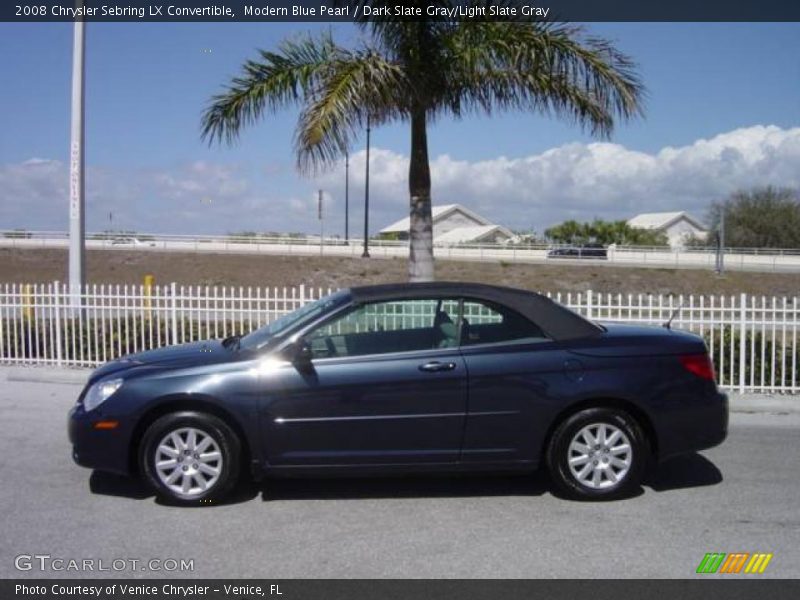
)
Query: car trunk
[{"x": 619, "y": 340}]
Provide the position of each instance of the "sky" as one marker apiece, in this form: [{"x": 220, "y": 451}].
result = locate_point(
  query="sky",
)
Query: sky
[{"x": 722, "y": 113}]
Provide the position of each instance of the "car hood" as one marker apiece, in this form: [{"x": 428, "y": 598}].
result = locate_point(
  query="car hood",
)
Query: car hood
[{"x": 205, "y": 352}]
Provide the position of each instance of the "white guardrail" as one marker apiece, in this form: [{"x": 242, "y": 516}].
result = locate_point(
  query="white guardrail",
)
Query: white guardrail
[
  {"x": 752, "y": 339},
  {"x": 743, "y": 259}
]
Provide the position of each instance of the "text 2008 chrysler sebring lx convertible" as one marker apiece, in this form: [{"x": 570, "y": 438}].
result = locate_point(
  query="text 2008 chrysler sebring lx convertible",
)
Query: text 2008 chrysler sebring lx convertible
[{"x": 400, "y": 378}]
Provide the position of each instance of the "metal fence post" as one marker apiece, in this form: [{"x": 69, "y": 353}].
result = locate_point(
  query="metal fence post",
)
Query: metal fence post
[
  {"x": 742, "y": 340},
  {"x": 588, "y": 304},
  {"x": 57, "y": 310},
  {"x": 173, "y": 295}
]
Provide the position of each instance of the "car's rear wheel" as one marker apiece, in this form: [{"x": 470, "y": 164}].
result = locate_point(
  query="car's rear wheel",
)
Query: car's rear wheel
[
  {"x": 598, "y": 453},
  {"x": 190, "y": 457}
]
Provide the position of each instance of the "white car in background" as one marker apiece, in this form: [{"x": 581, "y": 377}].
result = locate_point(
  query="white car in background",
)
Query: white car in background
[{"x": 132, "y": 241}]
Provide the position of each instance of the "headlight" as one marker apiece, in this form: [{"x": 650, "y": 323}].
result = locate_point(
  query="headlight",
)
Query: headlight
[{"x": 100, "y": 392}]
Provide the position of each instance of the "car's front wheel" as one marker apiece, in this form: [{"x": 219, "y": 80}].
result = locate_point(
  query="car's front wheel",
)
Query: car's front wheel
[
  {"x": 190, "y": 457},
  {"x": 598, "y": 453}
]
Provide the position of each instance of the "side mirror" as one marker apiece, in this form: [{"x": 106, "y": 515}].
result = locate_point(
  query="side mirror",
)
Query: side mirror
[{"x": 299, "y": 352}]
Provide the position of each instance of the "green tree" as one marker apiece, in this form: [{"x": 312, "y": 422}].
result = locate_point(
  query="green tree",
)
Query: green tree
[
  {"x": 416, "y": 72},
  {"x": 766, "y": 217},
  {"x": 568, "y": 232},
  {"x": 605, "y": 232}
]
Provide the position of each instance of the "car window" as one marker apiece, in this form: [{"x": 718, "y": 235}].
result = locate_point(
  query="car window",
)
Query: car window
[
  {"x": 386, "y": 327},
  {"x": 264, "y": 335},
  {"x": 488, "y": 323}
]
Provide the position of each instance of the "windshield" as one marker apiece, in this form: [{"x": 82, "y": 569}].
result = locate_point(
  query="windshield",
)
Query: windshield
[{"x": 279, "y": 327}]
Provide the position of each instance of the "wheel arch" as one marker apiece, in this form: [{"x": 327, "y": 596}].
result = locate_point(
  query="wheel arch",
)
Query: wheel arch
[
  {"x": 184, "y": 403},
  {"x": 641, "y": 416}
]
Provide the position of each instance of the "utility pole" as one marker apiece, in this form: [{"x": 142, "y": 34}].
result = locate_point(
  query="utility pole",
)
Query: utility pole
[
  {"x": 77, "y": 218},
  {"x": 365, "y": 254},
  {"x": 346, "y": 198}
]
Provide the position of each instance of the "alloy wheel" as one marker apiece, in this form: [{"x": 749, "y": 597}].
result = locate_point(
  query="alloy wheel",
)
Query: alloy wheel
[
  {"x": 600, "y": 456},
  {"x": 188, "y": 461}
]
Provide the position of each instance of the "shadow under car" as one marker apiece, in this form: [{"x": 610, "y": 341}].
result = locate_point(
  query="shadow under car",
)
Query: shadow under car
[{"x": 693, "y": 470}]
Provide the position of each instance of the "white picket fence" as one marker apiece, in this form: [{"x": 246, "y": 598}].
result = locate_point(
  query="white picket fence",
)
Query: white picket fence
[{"x": 752, "y": 339}]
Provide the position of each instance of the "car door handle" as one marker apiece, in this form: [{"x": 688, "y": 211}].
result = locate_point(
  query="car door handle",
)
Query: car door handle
[{"x": 433, "y": 367}]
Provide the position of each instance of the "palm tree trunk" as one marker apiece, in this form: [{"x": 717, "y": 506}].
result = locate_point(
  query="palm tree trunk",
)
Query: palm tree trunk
[{"x": 420, "y": 258}]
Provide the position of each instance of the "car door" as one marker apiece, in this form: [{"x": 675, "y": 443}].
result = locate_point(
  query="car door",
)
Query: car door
[
  {"x": 516, "y": 380},
  {"x": 386, "y": 384}
]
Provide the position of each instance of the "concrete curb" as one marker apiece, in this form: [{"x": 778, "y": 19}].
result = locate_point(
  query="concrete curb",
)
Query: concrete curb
[
  {"x": 38, "y": 374},
  {"x": 764, "y": 403},
  {"x": 739, "y": 403}
]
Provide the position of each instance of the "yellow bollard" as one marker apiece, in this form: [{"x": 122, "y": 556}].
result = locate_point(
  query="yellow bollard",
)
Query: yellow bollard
[
  {"x": 27, "y": 302},
  {"x": 149, "y": 280}
]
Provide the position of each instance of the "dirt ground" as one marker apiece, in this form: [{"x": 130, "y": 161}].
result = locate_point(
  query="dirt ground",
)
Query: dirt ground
[{"x": 124, "y": 266}]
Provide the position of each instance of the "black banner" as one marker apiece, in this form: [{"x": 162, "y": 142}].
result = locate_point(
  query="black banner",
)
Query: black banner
[
  {"x": 738, "y": 588},
  {"x": 344, "y": 11}
]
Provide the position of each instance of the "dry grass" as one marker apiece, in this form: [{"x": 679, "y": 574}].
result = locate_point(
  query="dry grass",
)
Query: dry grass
[{"x": 126, "y": 266}]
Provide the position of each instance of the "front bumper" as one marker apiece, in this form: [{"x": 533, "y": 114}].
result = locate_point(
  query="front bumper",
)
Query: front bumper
[{"x": 101, "y": 449}]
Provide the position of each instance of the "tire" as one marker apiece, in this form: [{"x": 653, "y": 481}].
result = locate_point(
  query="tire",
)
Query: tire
[
  {"x": 178, "y": 474},
  {"x": 598, "y": 454}
]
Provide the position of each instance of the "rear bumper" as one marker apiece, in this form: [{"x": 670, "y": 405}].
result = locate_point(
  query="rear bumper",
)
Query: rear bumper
[
  {"x": 715, "y": 430},
  {"x": 697, "y": 424},
  {"x": 104, "y": 450}
]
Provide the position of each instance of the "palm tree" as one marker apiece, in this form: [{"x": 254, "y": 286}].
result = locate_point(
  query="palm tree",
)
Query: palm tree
[{"x": 416, "y": 72}]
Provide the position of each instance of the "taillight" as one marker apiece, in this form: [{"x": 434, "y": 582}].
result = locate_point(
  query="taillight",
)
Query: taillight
[{"x": 699, "y": 364}]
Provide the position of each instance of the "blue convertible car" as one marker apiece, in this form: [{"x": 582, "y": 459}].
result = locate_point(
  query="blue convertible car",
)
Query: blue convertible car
[{"x": 405, "y": 378}]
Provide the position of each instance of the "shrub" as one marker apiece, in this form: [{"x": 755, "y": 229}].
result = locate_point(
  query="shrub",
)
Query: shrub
[{"x": 753, "y": 361}]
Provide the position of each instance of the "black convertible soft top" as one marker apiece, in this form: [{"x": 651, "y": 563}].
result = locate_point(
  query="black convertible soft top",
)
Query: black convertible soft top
[{"x": 557, "y": 321}]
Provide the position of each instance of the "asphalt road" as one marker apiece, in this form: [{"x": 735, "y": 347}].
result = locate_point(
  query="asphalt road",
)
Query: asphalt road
[{"x": 741, "y": 497}]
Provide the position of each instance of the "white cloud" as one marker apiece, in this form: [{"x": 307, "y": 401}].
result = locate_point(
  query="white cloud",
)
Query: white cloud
[
  {"x": 27, "y": 191},
  {"x": 198, "y": 197},
  {"x": 570, "y": 181},
  {"x": 599, "y": 179},
  {"x": 202, "y": 179}
]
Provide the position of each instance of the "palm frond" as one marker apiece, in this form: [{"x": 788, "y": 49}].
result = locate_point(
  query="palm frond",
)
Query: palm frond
[
  {"x": 357, "y": 85},
  {"x": 539, "y": 66},
  {"x": 273, "y": 82}
]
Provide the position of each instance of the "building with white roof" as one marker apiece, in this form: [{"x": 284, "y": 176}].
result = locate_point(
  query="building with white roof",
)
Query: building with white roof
[
  {"x": 679, "y": 226},
  {"x": 453, "y": 224}
]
